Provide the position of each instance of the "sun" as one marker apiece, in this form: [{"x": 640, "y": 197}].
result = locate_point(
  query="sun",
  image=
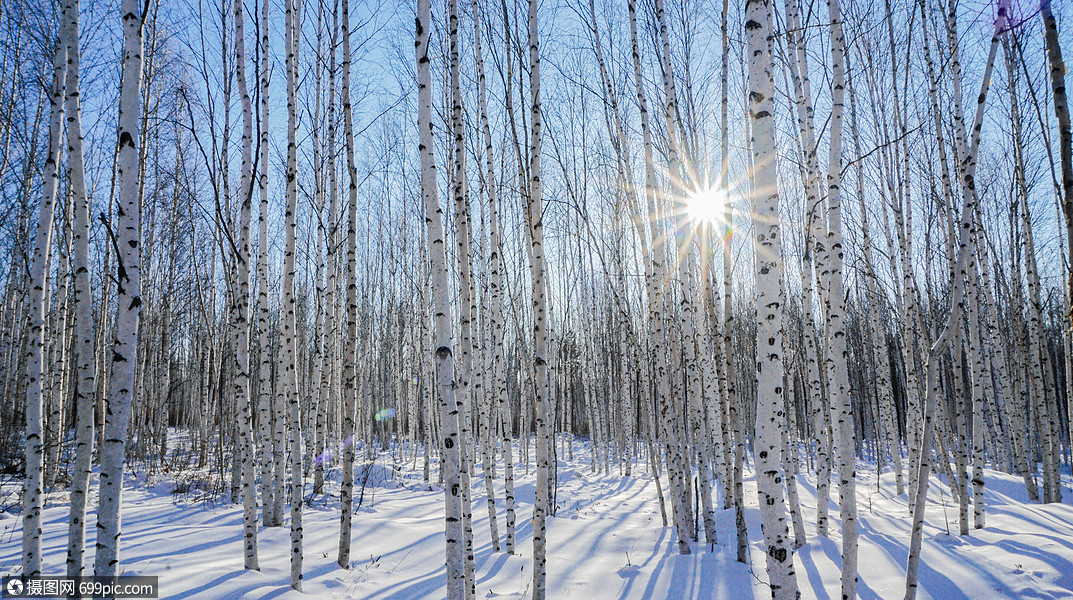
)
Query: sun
[{"x": 706, "y": 206}]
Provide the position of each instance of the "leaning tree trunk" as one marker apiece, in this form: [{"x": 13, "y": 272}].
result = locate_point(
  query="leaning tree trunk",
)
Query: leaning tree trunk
[
  {"x": 497, "y": 398},
  {"x": 38, "y": 285},
  {"x": 961, "y": 271},
  {"x": 128, "y": 295},
  {"x": 1065, "y": 130},
  {"x": 687, "y": 269},
  {"x": 799, "y": 75},
  {"x": 655, "y": 276}
]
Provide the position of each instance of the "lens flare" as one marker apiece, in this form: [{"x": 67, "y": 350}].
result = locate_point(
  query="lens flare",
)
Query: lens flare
[
  {"x": 707, "y": 205},
  {"x": 384, "y": 414}
]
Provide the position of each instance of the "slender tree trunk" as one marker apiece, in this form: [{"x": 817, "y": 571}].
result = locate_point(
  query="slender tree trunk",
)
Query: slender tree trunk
[
  {"x": 84, "y": 333},
  {"x": 350, "y": 368},
  {"x": 880, "y": 356},
  {"x": 734, "y": 484},
  {"x": 288, "y": 329},
  {"x": 687, "y": 269},
  {"x": 450, "y": 466},
  {"x": 128, "y": 293},
  {"x": 767, "y": 246},
  {"x": 656, "y": 301},
  {"x": 1020, "y": 460},
  {"x": 38, "y": 285},
  {"x": 1065, "y": 130},
  {"x": 962, "y": 269},
  {"x": 242, "y": 305},
  {"x": 62, "y": 358},
  {"x": 497, "y": 399},
  {"x": 837, "y": 353},
  {"x": 535, "y": 222},
  {"x": 270, "y": 455},
  {"x": 465, "y": 377}
]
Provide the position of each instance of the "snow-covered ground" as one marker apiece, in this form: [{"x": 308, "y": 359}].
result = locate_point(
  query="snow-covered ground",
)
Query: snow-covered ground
[{"x": 606, "y": 542}]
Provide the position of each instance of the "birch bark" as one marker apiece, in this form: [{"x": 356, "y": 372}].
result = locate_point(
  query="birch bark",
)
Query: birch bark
[
  {"x": 498, "y": 396},
  {"x": 288, "y": 330},
  {"x": 465, "y": 378},
  {"x": 242, "y": 304},
  {"x": 837, "y": 353},
  {"x": 84, "y": 333},
  {"x": 767, "y": 246},
  {"x": 961, "y": 272},
  {"x": 535, "y": 222},
  {"x": 450, "y": 466},
  {"x": 38, "y": 285},
  {"x": 350, "y": 367},
  {"x": 128, "y": 294}
]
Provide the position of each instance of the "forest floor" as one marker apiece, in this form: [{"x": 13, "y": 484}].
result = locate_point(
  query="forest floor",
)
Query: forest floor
[{"x": 605, "y": 542}]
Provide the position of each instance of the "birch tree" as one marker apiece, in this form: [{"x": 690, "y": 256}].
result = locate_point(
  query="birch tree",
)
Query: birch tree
[
  {"x": 466, "y": 377},
  {"x": 494, "y": 308},
  {"x": 288, "y": 342},
  {"x": 128, "y": 293},
  {"x": 350, "y": 367},
  {"x": 84, "y": 331},
  {"x": 767, "y": 247},
  {"x": 837, "y": 354},
  {"x": 269, "y": 404},
  {"x": 242, "y": 304},
  {"x": 959, "y": 273},
  {"x": 1060, "y": 99},
  {"x": 441, "y": 318},
  {"x": 38, "y": 285},
  {"x": 534, "y": 213}
]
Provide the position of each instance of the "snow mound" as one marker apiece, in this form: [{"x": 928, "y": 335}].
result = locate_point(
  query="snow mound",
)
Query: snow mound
[{"x": 376, "y": 474}]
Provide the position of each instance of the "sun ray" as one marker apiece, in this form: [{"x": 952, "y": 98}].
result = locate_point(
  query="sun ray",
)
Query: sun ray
[{"x": 706, "y": 206}]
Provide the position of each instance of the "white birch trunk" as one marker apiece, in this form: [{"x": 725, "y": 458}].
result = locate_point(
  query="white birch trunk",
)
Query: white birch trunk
[
  {"x": 1020, "y": 458},
  {"x": 465, "y": 377},
  {"x": 1057, "y": 69},
  {"x": 288, "y": 329},
  {"x": 837, "y": 353},
  {"x": 270, "y": 453},
  {"x": 654, "y": 277},
  {"x": 38, "y": 286},
  {"x": 767, "y": 244},
  {"x": 535, "y": 222},
  {"x": 128, "y": 294},
  {"x": 732, "y": 437},
  {"x": 687, "y": 269},
  {"x": 350, "y": 374},
  {"x": 242, "y": 305},
  {"x": 450, "y": 468},
  {"x": 494, "y": 308},
  {"x": 961, "y": 272},
  {"x": 84, "y": 333},
  {"x": 880, "y": 356}
]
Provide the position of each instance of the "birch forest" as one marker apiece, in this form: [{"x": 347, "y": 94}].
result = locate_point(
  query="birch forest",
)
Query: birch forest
[{"x": 467, "y": 299}]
